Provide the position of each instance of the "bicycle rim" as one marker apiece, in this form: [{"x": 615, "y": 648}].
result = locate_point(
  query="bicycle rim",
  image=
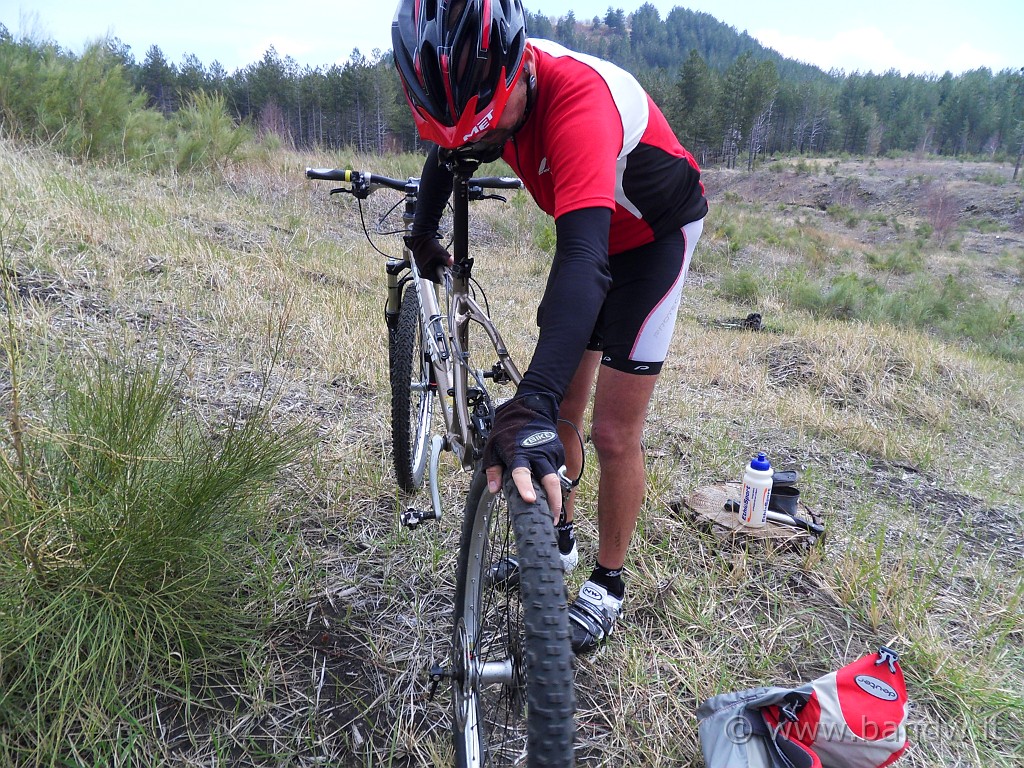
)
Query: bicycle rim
[
  {"x": 513, "y": 696},
  {"x": 412, "y": 395}
]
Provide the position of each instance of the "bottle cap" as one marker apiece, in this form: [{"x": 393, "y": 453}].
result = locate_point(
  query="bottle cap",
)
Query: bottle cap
[{"x": 760, "y": 463}]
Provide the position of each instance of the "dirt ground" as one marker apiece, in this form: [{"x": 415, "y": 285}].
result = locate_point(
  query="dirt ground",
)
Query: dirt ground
[{"x": 900, "y": 187}]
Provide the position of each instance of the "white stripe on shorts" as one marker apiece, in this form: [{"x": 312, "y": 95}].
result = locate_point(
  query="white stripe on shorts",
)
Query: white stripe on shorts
[{"x": 656, "y": 333}]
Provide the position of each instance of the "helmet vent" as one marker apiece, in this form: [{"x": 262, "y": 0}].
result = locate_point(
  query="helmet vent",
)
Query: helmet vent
[{"x": 455, "y": 11}]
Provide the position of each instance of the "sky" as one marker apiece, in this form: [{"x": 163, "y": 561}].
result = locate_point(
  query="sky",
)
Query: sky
[{"x": 911, "y": 36}]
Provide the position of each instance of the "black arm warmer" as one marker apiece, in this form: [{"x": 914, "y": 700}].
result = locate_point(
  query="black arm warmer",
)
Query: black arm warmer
[
  {"x": 577, "y": 285},
  {"x": 435, "y": 188}
]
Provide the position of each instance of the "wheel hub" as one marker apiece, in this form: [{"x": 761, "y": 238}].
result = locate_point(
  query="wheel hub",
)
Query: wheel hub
[{"x": 465, "y": 674}]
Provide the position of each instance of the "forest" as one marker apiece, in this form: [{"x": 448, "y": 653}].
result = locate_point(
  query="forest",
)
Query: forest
[{"x": 730, "y": 100}]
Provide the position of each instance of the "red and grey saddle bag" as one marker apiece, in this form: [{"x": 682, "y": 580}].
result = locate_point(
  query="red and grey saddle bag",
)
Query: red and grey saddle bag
[{"x": 853, "y": 718}]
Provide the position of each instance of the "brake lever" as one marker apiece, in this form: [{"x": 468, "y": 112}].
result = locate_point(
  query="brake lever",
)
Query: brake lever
[
  {"x": 477, "y": 193},
  {"x": 357, "y": 190}
]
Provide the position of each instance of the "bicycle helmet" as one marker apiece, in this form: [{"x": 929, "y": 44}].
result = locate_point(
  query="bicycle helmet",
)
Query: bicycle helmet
[{"x": 458, "y": 61}]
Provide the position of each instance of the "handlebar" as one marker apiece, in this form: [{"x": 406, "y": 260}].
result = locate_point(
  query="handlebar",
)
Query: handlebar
[
  {"x": 364, "y": 183},
  {"x": 496, "y": 182}
]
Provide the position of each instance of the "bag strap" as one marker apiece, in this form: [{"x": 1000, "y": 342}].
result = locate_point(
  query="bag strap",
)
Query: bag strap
[
  {"x": 887, "y": 655},
  {"x": 792, "y": 706}
]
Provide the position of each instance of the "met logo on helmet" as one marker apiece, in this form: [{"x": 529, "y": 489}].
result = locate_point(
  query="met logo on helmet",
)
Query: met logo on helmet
[{"x": 482, "y": 125}]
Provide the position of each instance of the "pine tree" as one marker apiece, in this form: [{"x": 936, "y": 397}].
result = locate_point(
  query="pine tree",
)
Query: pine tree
[{"x": 158, "y": 79}]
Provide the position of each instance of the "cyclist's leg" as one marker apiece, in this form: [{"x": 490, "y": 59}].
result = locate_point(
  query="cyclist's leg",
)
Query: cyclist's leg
[
  {"x": 572, "y": 409},
  {"x": 634, "y": 332},
  {"x": 638, "y": 317},
  {"x": 620, "y": 408}
]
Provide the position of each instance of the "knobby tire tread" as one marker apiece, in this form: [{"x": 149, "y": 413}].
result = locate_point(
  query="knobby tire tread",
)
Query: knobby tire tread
[
  {"x": 404, "y": 355},
  {"x": 550, "y": 692}
]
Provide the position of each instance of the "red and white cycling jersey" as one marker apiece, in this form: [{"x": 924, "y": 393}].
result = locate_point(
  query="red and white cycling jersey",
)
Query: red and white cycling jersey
[{"x": 594, "y": 138}]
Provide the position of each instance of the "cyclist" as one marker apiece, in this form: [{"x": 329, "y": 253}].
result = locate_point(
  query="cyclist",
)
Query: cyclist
[{"x": 597, "y": 154}]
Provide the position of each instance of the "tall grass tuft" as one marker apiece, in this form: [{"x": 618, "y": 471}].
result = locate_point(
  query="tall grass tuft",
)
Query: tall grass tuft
[
  {"x": 131, "y": 560},
  {"x": 206, "y": 136}
]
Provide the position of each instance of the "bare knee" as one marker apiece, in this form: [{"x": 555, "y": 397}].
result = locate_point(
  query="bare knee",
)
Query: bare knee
[{"x": 614, "y": 442}]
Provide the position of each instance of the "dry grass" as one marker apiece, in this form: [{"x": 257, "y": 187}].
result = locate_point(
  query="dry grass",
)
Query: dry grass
[{"x": 909, "y": 447}]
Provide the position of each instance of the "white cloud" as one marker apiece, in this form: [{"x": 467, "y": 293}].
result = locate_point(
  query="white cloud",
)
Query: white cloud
[
  {"x": 862, "y": 49},
  {"x": 966, "y": 57}
]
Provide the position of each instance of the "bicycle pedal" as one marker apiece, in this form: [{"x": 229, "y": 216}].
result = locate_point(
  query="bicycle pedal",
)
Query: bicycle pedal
[
  {"x": 436, "y": 674},
  {"x": 498, "y": 374},
  {"x": 412, "y": 517}
]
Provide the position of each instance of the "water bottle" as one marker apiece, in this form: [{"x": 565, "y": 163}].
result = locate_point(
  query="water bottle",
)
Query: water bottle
[{"x": 757, "y": 487}]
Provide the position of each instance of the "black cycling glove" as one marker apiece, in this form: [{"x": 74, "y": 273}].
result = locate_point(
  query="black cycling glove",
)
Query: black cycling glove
[
  {"x": 525, "y": 435},
  {"x": 429, "y": 254}
]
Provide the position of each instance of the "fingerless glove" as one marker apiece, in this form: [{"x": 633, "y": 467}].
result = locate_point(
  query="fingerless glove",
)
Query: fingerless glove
[
  {"x": 428, "y": 253},
  {"x": 525, "y": 434}
]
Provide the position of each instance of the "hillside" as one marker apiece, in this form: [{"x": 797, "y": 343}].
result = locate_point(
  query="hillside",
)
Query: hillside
[
  {"x": 884, "y": 203},
  {"x": 641, "y": 40},
  {"x": 889, "y": 372}
]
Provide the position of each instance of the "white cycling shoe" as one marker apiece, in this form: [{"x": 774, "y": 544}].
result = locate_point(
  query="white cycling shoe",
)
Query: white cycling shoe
[{"x": 592, "y": 617}]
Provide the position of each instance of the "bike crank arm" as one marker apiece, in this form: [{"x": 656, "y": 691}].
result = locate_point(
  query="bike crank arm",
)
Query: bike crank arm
[
  {"x": 436, "y": 446},
  {"x": 412, "y": 517}
]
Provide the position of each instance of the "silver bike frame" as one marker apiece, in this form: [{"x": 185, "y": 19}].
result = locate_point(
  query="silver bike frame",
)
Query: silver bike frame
[{"x": 446, "y": 338}]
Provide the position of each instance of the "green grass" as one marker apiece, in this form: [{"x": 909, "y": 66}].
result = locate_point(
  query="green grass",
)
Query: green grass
[
  {"x": 992, "y": 178},
  {"x": 744, "y": 286},
  {"x": 739, "y": 226},
  {"x": 303, "y": 620},
  {"x": 841, "y": 213},
  {"x": 953, "y": 307},
  {"x": 135, "y": 548},
  {"x": 899, "y": 261},
  {"x": 985, "y": 225}
]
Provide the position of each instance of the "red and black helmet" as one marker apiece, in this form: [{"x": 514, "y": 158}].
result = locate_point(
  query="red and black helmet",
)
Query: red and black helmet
[{"x": 458, "y": 60}]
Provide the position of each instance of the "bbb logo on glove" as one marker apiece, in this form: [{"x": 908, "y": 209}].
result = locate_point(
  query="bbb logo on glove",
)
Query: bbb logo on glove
[{"x": 538, "y": 438}]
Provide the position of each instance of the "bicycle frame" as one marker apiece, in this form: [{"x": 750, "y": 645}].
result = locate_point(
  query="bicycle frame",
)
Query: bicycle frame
[
  {"x": 446, "y": 336},
  {"x": 465, "y": 406}
]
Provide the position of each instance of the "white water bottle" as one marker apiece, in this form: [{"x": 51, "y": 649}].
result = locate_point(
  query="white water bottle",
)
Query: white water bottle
[{"x": 757, "y": 487}]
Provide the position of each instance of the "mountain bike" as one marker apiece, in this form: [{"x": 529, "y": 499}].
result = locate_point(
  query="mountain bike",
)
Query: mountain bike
[{"x": 510, "y": 663}]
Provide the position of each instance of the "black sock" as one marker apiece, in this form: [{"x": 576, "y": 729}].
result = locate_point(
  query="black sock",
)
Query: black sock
[
  {"x": 610, "y": 579},
  {"x": 566, "y": 537}
]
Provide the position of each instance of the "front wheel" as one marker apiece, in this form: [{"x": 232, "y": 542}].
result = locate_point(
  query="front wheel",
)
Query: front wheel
[
  {"x": 412, "y": 395},
  {"x": 512, "y": 671}
]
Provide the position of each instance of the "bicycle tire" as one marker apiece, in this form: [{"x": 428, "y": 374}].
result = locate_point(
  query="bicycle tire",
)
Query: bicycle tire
[
  {"x": 513, "y": 629},
  {"x": 412, "y": 395}
]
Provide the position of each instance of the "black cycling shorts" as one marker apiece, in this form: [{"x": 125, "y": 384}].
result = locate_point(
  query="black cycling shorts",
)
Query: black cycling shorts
[{"x": 635, "y": 326}]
